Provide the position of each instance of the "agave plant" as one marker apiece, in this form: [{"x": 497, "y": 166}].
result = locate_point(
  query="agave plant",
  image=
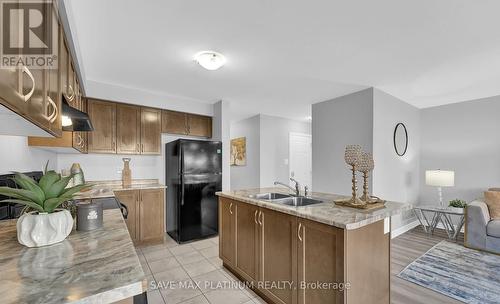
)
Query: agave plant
[{"x": 44, "y": 196}]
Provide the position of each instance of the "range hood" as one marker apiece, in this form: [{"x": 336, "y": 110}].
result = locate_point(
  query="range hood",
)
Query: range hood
[{"x": 74, "y": 119}]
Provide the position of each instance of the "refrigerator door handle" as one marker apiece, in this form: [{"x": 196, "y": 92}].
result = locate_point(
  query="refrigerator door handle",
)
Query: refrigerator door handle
[{"x": 182, "y": 190}]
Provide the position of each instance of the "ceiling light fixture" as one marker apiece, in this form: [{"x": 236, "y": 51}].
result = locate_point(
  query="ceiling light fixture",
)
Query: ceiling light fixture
[{"x": 210, "y": 60}]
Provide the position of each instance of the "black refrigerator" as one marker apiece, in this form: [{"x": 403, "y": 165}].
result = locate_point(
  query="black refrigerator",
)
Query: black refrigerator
[{"x": 193, "y": 175}]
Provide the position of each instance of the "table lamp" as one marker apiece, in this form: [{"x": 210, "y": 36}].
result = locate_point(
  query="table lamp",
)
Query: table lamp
[{"x": 439, "y": 178}]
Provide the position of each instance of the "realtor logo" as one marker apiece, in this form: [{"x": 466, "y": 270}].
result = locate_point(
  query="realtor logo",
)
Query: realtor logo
[{"x": 27, "y": 35}]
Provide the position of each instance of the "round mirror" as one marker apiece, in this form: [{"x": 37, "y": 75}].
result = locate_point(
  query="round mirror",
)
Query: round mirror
[{"x": 400, "y": 139}]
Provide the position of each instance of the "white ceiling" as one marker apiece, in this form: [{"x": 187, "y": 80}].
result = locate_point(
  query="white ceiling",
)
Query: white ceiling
[{"x": 285, "y": 55}]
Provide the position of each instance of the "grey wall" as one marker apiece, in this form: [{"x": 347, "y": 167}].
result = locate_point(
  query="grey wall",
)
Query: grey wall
[
  {"x": 336, "y": 123},
  {"x": 464, "y": 137},
  {"x": 247, "y": 176},
  {"x": 274, "y": 147},
  {"x": 395, "y": 178}
]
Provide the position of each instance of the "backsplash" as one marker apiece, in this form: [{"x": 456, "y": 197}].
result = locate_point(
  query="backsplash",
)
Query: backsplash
[{"x": 15, "y": 155}]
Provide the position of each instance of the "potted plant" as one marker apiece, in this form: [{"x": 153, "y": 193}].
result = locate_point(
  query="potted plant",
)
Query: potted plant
[
  {"x": 46, "y": 224},
  {"x": 458, "y": 203}
]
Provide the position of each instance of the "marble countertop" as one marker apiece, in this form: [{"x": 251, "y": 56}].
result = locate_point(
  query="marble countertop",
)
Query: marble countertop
[
  {"x": 99, "y": 266},
  {"x": 103, "y": 189},
  {"x": 326, "y": 212}
]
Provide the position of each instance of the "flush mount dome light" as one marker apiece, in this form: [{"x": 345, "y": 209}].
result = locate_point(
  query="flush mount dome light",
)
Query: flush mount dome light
[{"x": 210, "y": 60}]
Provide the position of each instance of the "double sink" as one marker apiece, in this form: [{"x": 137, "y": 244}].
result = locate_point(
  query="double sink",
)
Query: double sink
[{"x": 285, "y": 199}]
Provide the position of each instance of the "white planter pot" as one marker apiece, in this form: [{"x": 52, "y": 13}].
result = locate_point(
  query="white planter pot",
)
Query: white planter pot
[{"x": 41, "y": 229}]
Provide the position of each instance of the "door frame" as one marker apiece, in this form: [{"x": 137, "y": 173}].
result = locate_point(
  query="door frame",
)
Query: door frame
[{"x": 290, "y": 135}]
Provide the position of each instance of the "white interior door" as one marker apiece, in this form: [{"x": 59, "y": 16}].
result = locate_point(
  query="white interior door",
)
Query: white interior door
[{"x": 300, "y": 163}]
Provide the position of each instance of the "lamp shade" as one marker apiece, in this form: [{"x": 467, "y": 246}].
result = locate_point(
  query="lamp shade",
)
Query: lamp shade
[{"x": 439, "y": 178}]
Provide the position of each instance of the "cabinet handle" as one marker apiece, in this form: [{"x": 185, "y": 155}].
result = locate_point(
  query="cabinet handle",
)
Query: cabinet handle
[
  {"x": 142, "y": 148},
  {"x": 52, "y": 117},
  {"x": 255, "y": 216},
  {"x": 30, "y": 75},
  {"x": 261, "y": 217},
  {"x": 80, "y": 140},
  {"x": 298, "y": 232},
  {"x": 231, "y": 208},
  {"x": 137, "y": 149},
  {"x": 72, "y": 96}
]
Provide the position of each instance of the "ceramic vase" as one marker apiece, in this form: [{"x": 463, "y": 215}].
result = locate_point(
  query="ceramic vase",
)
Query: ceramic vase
[{"x": 35, "y": 229}]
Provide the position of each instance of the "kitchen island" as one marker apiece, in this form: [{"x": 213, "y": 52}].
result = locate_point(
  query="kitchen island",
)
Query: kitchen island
[
  {"x": 99, "y": 266},
  {"x": 320, "y": 253}
]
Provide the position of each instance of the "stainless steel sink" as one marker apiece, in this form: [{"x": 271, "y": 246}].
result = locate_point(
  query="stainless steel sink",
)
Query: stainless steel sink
[
  {"x": 298, "y": 201},
  {"x": 269, "y": 196}
]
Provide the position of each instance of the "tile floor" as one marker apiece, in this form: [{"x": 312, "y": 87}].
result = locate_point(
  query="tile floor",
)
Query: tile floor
[{"x": 191, "y": 274}]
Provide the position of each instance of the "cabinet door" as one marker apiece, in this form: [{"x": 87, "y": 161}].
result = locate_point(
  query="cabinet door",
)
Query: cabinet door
[
  {"x": 128, "y": 129},
  {"x": 63, "y": 66},
  {"x": 174, "y": 122},
  {"x": 103, "y": 117},
  {"x": 199, "y": 125},
  {"x": 84, "y": 135},
  {"x": 10, "y": 86},
  {"x": 320, "y": 258},
  {"x": 150, "y": 131},
  {"x": 151, "y": 215},
  {"x": 247, "y": 241},
  {"x": 227, "y": 231},
  {"x": 278, "y": 254},
  {"x": 72, "y": 91},
  {"x": 130, "y": 198},
  {"x": 53, "y": 96}
]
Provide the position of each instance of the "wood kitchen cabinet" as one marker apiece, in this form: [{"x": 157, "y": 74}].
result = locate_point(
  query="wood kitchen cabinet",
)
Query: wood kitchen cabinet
[
  {"x": 266, "y": 246},
  {"x": 199, "y": 125},
  {"x": 247, "y": 248},
  {"x": 150, "y": 131},
  {"x": 151, "y": 215},
  {"x": 227, "y": 230},
  {"x": 278, "y": 254},
  {"x": 130, "y": 198},
  {"x": 320, "y": 258},
  {"x": 146, "y": 209},
  {"x": 33, "y": 92},
  {"x": 128, "y": 129},
  {"x": 174, "y": 122},
  {"x": 186, "y": 124},
  {"x": 103, "y": 117}
]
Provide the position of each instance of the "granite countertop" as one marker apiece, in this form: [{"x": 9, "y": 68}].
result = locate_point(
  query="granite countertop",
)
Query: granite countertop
[
  {"x": 326, "y": 213},
  {"x": 103, "y": 189},
  {"x": 99, "y": 266}
]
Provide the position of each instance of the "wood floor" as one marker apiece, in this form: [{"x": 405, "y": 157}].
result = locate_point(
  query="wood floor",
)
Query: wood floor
[{"x": 404, "y": 250}]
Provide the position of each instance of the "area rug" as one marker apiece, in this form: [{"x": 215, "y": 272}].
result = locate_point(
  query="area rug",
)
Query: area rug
[{"x": 464, "y": 274}]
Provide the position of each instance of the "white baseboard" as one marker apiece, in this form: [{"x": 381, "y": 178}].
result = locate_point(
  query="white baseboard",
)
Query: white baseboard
[
  {"x": 411, "y": 225},
  {"x": 403, "y": 229}
]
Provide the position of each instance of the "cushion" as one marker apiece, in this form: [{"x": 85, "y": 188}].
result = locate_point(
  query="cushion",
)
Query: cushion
[
  {"x": 493, "y": 229},
  {"x": 492, "y": 199}
]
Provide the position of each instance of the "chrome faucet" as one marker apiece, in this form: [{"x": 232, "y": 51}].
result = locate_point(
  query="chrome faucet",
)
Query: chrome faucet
[
  {"x": 297, "y": 186},
  {"x": 296, "y": 190}
]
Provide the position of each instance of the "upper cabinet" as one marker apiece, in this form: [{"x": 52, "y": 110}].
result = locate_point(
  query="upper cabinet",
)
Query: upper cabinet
[
  {"x": 103, "y": 117},
  {"x": 128, "y": 129},
  {"x": 186, "y": 124},
  {"x": 150, "y": 131},
  {"x": 174, "y": 122},
  {"x": 199, "y": 125},
  {"x": 33, "y": 92},
  {"x": 124, "y": 129}
]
